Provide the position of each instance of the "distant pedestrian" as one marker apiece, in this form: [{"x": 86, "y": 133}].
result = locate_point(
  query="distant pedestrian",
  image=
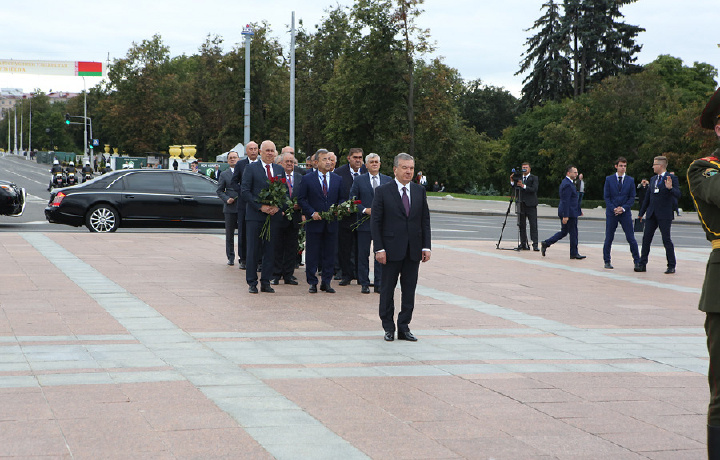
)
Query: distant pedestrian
[
  {"x": 580, "y": 183},
  {"x": 175, "y": 165},
  {"x": 568, "y": 212}
]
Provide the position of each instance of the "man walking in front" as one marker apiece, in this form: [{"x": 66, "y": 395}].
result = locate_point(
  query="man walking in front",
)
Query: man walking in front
[
  {"x": 568, "y": 212},
  {"x": 658, "y": 205},
  {"x": 619, "y": 194},
  {"x": 400, "y": 223}
]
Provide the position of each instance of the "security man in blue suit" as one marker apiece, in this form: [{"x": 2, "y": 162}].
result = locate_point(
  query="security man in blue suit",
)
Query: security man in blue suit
[
  {"x": 658, "y": 205},
  {"x": 363, "y": 189},
  {"x": 316, "y": 193},
  {"x": 568, "y": 212},
  {"x": 619, "y": 194}
]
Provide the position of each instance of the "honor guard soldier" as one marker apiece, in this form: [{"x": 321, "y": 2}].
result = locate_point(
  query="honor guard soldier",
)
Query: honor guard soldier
[{"x": 704, "y": 180}]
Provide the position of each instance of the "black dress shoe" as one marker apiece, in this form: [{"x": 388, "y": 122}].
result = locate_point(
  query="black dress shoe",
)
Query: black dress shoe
[
  {"x": 407, "y": 336},
  {"x": 535, "y": 248},
  {"x": 345, "y": 282},
  {"x": 252, "y": 289},
  {"x": 578, "y": 256},
  {"x": 312, "y": 289},
  {"x": 275, "y": 281},
  {"x": 293, "y": 282},
  {"x": 337, "y": 277},
  {"x": 640, "y": 268},
  {"x": 231, "y": 262},
  {"x": 327, "y": 288},
  {"x": 365, "y": 290},
  {"x": 242, "y": 265},
  {"x": 543, "y": 248},
  {"x": 389, "y": 336},
  {"x": 292, "y": 277},
  {"x": 670, "y": 271},
  {"x": 608, "y": 266},
  {"x": 266, "y": 288}
]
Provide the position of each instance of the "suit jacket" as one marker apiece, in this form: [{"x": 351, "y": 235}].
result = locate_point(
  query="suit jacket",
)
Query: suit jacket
[
  {"x": 363, "y": 191},
  {"x": 296, "y": 180},
  {"x": 311, "y": 200},
  {"x": 344, "y": 171},
  {"x": 660, "y": 204},
  {"x": 624, "y": 197},
  {"x": 398, "y": 234},
  {"x": 568, "y": 206},
  {"x": 226, "y": 190},
  {"x": 254, "y": 179},
  {"x": 528, "y": 195}
]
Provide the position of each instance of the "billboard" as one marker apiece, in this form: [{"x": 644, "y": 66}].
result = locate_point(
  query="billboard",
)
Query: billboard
[{"x": 55, "y": 68}]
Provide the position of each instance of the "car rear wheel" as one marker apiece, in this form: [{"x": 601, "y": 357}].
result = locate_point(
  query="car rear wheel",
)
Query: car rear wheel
[{"x": 102, "y": 218}]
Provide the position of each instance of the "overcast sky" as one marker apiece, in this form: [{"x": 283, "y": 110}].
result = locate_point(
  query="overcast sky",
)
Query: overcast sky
[{"x": 481, "y": 38}]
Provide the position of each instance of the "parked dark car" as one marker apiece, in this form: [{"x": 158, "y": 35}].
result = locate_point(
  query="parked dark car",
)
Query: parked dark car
[
  {"x": 138, "y": 197},
  {"x": 12, "y": 199}
]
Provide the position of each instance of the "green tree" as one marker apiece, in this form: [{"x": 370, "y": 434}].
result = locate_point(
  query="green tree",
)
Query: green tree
[{"x": 487, "y": 108}]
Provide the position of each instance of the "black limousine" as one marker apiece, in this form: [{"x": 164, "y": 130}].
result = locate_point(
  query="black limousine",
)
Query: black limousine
[
  {"x": 12, "y": 199},
  {"x": 138, "y": 198}
]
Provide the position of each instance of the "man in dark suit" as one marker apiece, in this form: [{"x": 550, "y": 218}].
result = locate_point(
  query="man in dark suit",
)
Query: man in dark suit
[
  {"x": 286, "y": 242},
  {"x": 229, "y": 195},
  {"x": 619, "y": 194},
  {"x": 658, "y": 205},
  {"x": 316, "y": 193},
  {"x": 364, "y": 190},
  {"x": 400, "y": 223},
  {"x": 347, "y": 239},
  {"x": 568, "y": 212},
  {"x": 251, "y": 152},
  {"x": 254, "y": 179},
  {"x": 528, "y": 201}
]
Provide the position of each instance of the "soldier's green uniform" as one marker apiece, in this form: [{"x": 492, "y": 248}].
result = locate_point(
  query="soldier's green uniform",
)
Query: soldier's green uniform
[{"x": 704, "y": 180}]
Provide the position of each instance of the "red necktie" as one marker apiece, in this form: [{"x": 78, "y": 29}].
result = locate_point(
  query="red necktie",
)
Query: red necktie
[
  {"x": 406, "y": 202},
  {"x": 269, "y": 174},
  {"x": 324, "y": 185},
  {"x": 289, "y": 182}
]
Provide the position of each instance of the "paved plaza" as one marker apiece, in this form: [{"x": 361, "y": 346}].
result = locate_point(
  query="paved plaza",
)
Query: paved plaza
[{"x": 146, "y": 345}]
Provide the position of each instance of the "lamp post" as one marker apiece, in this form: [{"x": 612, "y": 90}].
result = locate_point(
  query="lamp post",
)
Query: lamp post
[{"x": 248, "y": 33}]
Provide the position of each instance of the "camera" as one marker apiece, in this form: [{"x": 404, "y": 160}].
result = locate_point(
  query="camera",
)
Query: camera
[{"x": 517, "y": 174}]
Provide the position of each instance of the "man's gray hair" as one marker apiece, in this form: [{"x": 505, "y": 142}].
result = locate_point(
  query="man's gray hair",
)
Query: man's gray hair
[
  {"x": 316, "y": 155},
  {"x": 402, "y": 156},
  {"x": 371, "y": 155},
  {"x": 283, "y": 155}
]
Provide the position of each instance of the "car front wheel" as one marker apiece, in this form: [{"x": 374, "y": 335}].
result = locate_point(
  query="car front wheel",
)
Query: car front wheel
[{"x": 102, "y": 218}]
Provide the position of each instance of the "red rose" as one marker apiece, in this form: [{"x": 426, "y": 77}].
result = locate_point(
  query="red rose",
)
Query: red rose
[
  {"x": 283, "y": 180},
  {"x": 357, "y": 202}
]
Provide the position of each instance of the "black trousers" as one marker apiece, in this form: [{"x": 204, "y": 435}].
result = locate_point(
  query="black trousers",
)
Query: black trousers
[
  {"x": 407, "y": 270},
  {"x": 231, "y": 222},
  {"x": 347, "y": 249},
  {"x": 286, "y": 245},
  {"x": 259, "y": 250},
  {"x": 712, "y": 329},
  {"x": 652, "y": 224},
  {"x": 242, "y": 233},
  {"x": 529, "y": 213}
]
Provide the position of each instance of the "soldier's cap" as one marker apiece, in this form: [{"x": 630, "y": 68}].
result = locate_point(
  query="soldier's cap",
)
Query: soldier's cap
[{"x": 711, "y": 112}]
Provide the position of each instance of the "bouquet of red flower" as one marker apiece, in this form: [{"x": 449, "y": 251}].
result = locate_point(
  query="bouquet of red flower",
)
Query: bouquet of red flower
[
  {"x": 341, "y": 210},
  {"x": 274, "y": 195}
]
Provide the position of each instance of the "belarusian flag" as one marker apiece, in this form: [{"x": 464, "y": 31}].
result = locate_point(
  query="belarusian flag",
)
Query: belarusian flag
[{"x": 88, "y": 69}]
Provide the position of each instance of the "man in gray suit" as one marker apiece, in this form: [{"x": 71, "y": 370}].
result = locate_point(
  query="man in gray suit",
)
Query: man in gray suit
[
  {"x": 363, "y": 189},
  {"x": 229, "y": 195}
]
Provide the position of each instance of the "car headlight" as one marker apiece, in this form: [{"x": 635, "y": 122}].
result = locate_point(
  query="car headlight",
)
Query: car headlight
[{"x": 9, "y": 188}]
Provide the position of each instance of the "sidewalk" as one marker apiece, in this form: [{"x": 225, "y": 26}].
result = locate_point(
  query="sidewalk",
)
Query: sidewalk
[
  {"x": 132, "y": 345},
  {"x": 452, "y": 205}
]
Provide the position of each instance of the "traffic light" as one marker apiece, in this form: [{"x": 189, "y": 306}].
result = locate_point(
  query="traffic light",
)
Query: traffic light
[{"x": 67, "y": 118}]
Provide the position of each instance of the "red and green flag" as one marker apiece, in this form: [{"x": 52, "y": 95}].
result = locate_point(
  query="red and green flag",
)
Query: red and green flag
[{"x": 88, "y": 69}]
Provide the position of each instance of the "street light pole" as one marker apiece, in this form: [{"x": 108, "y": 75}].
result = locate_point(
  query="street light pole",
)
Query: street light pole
[
  {"x": 292, "y": 82},
  {"x": 85, "y": 146},
  {"x": 248, "y": 33}
]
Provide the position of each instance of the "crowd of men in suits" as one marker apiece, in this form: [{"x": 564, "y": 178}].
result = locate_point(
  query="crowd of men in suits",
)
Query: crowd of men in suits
[{"x": 392, "y": 215}]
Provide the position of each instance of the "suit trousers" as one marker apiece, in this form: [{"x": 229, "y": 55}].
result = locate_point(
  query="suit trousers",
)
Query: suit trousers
[
  {"x": 286, "y": 245},
  {"x": 626, "y": 222},
  {"x": 651, "y": 224},
  {"x": 407, "y": 270},
  {"x": 567, "y": 229},
  {"x": 242, "y": 233},
  {"x": 259, "y": 250},
  {"x": 529, "y": 213},
  {"x": 347, "y": 247},
  {"x": 230, "y": 226},
  {"x": 320, "y": 251},
  {"x": 712, "y": 329},
  {"x": 364, "y": 239}
]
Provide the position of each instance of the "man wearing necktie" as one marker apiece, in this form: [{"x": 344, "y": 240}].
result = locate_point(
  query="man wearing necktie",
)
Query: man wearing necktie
[
  {"x": 364, "y": 190},
  {"x": 568, "y": 212},
  {"x": 286, "y": 241},
  {"x": 658, "y": 205},
  {"x": 400, "y": 226},
  {"x": 316, "y": 193},
  {"x": 254, "y": 179},
  {"x": 619, "y": 194},
  {"x": 347, "y": 239},
  {"x": 528, "y": 201}
]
